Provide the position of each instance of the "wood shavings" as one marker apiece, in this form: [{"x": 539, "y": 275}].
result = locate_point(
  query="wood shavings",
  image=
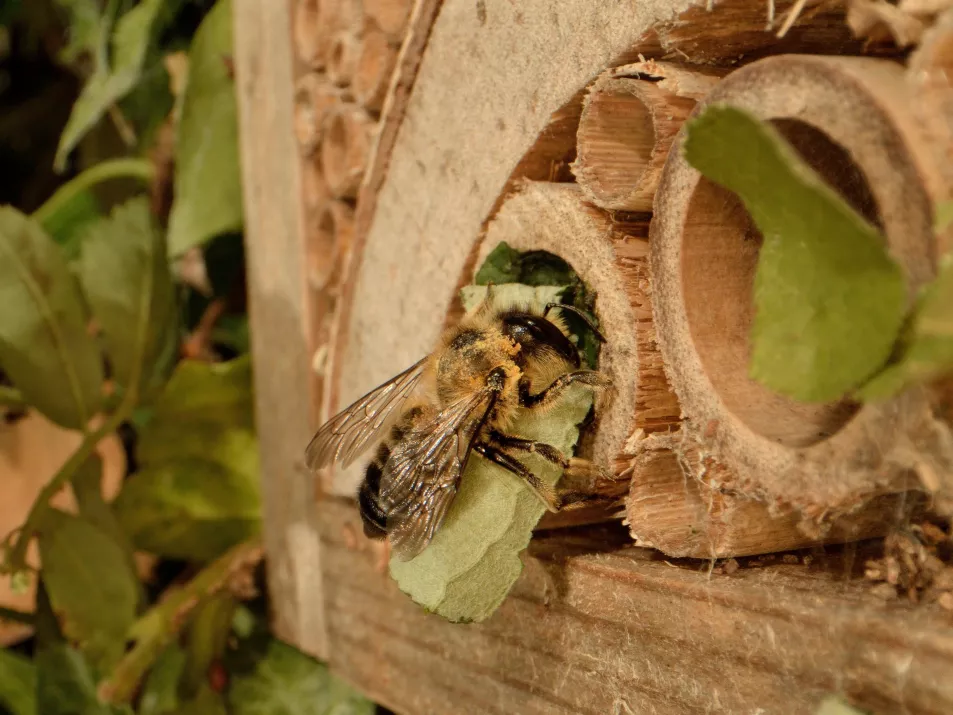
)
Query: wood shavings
[{"x": 917, "y": 563}]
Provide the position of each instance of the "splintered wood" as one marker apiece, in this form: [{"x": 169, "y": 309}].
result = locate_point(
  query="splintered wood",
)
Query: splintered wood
[{"x": 345, "y": 62}]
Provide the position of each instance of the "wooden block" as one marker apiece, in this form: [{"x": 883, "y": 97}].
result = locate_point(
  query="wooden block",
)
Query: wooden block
[
  {"x": 375, "y": 66},
  {"x": 594, "y": 628}
]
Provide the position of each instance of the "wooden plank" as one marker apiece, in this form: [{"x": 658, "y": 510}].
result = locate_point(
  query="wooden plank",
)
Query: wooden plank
[
  {"x": 278, "y": 313},
  {"x": 595, "y": 626}
]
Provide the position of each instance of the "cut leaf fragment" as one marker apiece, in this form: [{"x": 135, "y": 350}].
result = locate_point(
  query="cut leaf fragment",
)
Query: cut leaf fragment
[
  {"x": 474, "y": 559},
  {"x": 927, "y": 346},
  {"x": 208, "y": 196},
  {"x": 45, "y": 348},
  {"x": 829, "y": 299}
]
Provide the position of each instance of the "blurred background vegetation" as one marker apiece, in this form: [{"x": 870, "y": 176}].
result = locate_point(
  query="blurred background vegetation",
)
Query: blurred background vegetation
[{"x": 132, "y": 571}]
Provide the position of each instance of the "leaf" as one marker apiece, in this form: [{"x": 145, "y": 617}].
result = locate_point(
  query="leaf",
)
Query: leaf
[
  {"x": 17, "y": 684},
  {"x": 65, "y": 685},
  {"x": 927, "y": 347},
  {"x": 208, "y": 635},
  {"x": 125, "y": 276},
  {"x": 206, "y": 702},
  {"x": 502, "y": 265},
  {"x": 85, "y": 27},
  {"x": 67, "y": 225},
  {"x": 208, "y": 196},
  {"x": 160, "y": 691},
  {"x": 44, "y": 346},
  {"x": 92, "y": 588},
  {"x": 829, "y": 299},
  {"x": 197, "y": 490},
  {"x": 473, "y": 561},
  {"x": 114, "y": 78},
  {"x": 287, "y": 682}
]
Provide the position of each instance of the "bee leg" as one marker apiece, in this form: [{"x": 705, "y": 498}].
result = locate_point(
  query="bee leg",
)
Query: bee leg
[
  {"x": 546, "y": 451},
  {"x": 547, "y": 398},
  {"x": 546, "y": 493}
]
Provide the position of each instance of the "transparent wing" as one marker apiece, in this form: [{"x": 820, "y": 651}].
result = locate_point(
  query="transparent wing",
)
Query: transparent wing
[
  {"x": 346, "y": 435},
  {"x": 421, "y": 477}
]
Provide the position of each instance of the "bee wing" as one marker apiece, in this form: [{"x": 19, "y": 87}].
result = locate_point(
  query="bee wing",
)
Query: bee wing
[
  {"x": 423, "y": 472},
  {"x": 350, "y": 432}
]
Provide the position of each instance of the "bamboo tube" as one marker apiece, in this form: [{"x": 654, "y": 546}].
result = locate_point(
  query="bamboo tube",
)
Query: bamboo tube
[
  {"x": 344, "y": 150},
  {"x": 556, "y": 218},
  {"x": 375, "y": 64},
  {"x": 389, "y": 15},
  {"x": 841, "y": 115},
  {"x": 629, "y": 119},
  {"x": 329, "y": 241},
  {"x": 342, "y": 58},
  {"x": 314, "y": 99},
  {"x": 677, "y": 505},
  {"x": 315, "y": 24}
]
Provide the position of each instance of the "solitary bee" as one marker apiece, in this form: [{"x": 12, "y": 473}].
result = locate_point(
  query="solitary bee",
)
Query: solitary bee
[{"x": 458, "y": 400}]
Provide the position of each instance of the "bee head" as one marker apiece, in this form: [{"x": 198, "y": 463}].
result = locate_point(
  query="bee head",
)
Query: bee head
[{"x": 537, "y": 335}]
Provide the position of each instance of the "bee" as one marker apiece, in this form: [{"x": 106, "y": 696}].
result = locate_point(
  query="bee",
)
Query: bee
[{"x": 459, "y": 400}]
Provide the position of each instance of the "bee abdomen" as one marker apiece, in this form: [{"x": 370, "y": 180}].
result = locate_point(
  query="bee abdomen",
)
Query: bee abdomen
[{"x": 372, "y": 514}]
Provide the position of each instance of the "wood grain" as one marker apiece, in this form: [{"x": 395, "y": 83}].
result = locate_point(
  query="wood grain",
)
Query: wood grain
[
  {"x": 278, "y": 312},
  {"x": 624, "y": 632}
]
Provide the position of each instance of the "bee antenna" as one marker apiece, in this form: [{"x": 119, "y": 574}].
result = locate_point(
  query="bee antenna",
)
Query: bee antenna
[{"x": 585, "y": 318}]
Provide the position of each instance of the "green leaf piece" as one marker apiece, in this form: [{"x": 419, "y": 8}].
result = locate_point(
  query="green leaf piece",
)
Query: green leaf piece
[
  {"x": 160, "y": 691},
  {"x": 288, "y": 682},
  {"x": 208, "y": 195},
  {"x": 474, "y": 559},
  {"x": 65, "y": 684},
  {"x": 45, "y": 348},
  {"x": 84, "y": 28},
  {"x": 927, "y": 346},
  {"x": 17, "y": 684},
  {"x": 115, "y": 77},
  {"x": 92, "y": 587},
  {"x": 197, "y": 490},
  {"x": 829, "y": 299},
  {"x": 944, "y": 216},
  {"x": 125, "y": 275}
]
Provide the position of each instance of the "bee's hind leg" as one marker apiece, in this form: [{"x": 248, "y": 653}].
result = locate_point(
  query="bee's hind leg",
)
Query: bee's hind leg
[
  {"x": 574, "y": 469},
  {"x": 546, "y": 493}
]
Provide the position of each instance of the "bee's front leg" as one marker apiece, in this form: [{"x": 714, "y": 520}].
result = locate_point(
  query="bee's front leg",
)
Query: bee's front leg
[{"x": 548, "y": 397}]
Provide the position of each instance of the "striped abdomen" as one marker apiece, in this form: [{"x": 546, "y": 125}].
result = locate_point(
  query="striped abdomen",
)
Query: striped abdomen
[{"x": 372, "y": 513}]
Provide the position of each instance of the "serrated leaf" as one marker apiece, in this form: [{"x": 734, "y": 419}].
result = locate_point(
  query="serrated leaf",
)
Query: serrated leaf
[
  {"x": 829, "y": 299},
  {"x": 112, "y": 79},
  {"x": 92, "y": 587},
  {"x": 474, "y": 559},
  {"x": 208, "y": 196},
  {"x": 45, "y": 348},
  {"x": 125, "y": 276},
  {"x": 17, "y": 684},
  {"x": 160, "y": 691},
  {"x": 287, "y": 682},
  {"x": 65, "y": 684},
  {"x": 927, "y": 347},
  {"x": 68, "y": 225},
  {"x": 197, "y": 490}
]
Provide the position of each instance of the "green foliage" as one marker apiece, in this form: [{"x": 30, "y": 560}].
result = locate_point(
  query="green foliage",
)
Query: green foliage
[
  {"x": 287, "y": 682},
  {"x": 829, "y": 299},
  {"x": 92, "y": 588},
  {"x": 17, "y": 684},
  {"x": 208, "y": 197},
  {"x": 65, "y": 684},
  {"x": 45, "y": 348},
  {"x": 127, "y": 283},
  {"x": 926, "y": 348},
  {"x": 160, "y": 691},
  {"x": 197, "y": 490},
  {"x": 120, "y": 54},
  {"x": 473, "y": 561}
]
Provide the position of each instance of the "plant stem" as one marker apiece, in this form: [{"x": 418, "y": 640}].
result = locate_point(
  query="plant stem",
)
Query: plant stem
[
  {"x": 104, "y": 171},
  {"x": 11, "y": 397},
  {"x": 16, "y": 557},
  {"x": 158, "y": 626},
  {"x": 11, "y": 615}
]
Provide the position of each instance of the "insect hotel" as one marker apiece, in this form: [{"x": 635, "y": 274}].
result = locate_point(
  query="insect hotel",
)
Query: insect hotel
[{"x": 737, "y": 213}]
